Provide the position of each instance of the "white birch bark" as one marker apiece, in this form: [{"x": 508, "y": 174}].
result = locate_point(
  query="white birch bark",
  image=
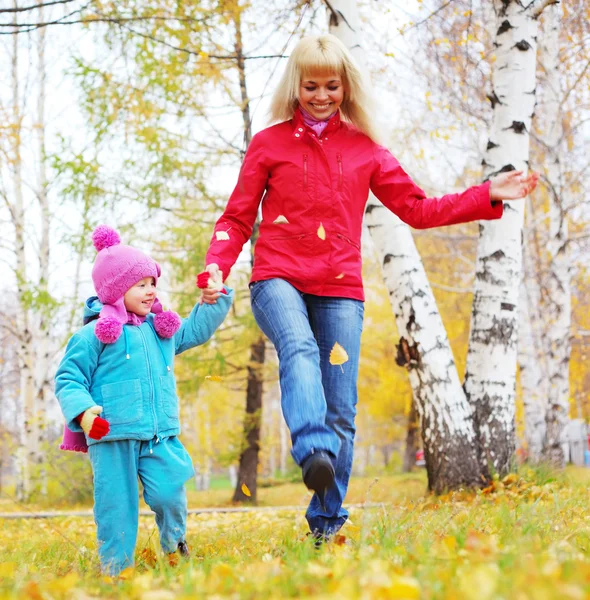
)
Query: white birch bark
[
  {"x": 28, "y": 441},
  {"x": 491, "y": 361},
  {"x": 533, "y": 375},
  {"x": 446, "y": 420},
  {"x": 557, "y": 311},
  {"x": 42, "y": 358}
]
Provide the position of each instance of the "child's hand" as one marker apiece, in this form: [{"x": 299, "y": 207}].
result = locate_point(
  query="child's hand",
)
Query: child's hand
[
  {"x": 94, "y": 426},
  {"x": 512, "y": 185},
  {"x": 209, "y": 296}
]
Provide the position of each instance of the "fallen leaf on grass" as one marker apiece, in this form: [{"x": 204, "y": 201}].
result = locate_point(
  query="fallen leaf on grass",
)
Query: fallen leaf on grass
[{"x": 213, "y": 378}]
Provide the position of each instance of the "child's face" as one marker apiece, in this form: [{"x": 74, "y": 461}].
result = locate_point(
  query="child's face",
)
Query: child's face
[
  {"x": 139, "y": 298},
  {"x": 321, "y": 96}
]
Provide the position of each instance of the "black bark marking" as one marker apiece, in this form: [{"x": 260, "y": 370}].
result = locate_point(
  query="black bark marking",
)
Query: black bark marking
[
  {"x": 408, "y": 355},
  {"x": 504, "y": 27},
  {"x": 493, "y": 98},
  {"x": 518, "y": 126},
  {"x": 523, "y": 45},
  {"x": 491, "y": 145},
  {"x": 507, "y": 168},
  {"x": 370, "y": 208},
  {"x": 506, "y": 306}
]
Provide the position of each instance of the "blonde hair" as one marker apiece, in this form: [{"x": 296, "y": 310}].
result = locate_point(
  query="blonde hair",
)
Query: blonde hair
[{"x": 323, "y": 55}]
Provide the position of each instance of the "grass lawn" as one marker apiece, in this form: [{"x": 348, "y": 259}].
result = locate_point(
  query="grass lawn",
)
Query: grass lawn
[{"x": 526, "y": 538}]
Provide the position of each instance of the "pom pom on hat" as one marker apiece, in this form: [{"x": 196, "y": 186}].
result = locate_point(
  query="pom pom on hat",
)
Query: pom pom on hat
[
  {"x": 105, "y": 237},
  {"x": 167, "y": 323},
  {"x": 108, "y": 329}
]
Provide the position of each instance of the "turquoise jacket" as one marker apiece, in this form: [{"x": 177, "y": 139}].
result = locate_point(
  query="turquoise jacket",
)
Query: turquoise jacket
[{"x": 132, "y": 379}]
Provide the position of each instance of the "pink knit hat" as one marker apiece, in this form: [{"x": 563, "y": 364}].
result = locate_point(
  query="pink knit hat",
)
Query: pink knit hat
[{"x": 116, "y": 269}]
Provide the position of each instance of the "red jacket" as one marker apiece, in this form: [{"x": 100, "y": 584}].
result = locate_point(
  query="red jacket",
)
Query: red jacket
[{"x": 315, "y": 191}]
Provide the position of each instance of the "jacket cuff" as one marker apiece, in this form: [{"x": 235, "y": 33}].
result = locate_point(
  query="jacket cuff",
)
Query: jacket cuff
[
  {"x": 224, "y": 267},
  {"x": 489, "y": 209}
]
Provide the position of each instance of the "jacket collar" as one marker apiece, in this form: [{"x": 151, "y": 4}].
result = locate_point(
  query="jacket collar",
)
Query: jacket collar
[{"x": 300, "y": 128}]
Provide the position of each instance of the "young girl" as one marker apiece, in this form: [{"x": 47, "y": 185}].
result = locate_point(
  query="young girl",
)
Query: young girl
[
  {"x": 120, "y": 366},
  {"x": 315, "y": 169}
]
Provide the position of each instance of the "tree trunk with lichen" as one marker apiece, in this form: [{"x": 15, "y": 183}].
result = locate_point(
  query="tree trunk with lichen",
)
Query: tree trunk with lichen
[
  {"x": 490, "y": 379},
  {"x": 445, "y": 416}
]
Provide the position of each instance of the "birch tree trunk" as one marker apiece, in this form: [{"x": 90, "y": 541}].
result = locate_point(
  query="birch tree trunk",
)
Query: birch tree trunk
[
  {"x": 27, "y": 423},
  {"x": 490, "y": 377},
  {"x": 558, "y": 309},
  {"x": 446, "y": 420},
  {"x": 533, "y": 375}
]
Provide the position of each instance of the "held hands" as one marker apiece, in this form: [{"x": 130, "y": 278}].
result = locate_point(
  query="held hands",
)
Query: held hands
[
  {"x": 512, "y": 185},
  {"x": 211, "y": 282},
  {"x": 94, "y": 427}
]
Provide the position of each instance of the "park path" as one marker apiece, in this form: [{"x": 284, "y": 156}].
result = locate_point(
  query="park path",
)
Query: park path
[{"x": 192, "y": 511}]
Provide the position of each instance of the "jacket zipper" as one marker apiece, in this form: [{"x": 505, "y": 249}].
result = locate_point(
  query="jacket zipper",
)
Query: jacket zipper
[
  {"x": 305, "y": 171},
  {"x": 340, "y": 171},
  {"x": 152, "y": 399}
]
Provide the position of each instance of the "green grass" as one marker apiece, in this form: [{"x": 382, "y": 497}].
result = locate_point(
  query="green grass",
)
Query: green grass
[{"x": 526, "y": 539}]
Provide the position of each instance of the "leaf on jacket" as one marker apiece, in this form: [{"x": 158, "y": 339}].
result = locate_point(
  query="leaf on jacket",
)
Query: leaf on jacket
[
  {"x": 245, "y": 490},
  {"x": 338, "y": 355},
  {"x": 281, "y": 219},
  {"x": 221, "y": 236},
  {"x": 213, "y": 378},
  {"x": 339, "y": 276},
  {"x": 321, "y": 232}
]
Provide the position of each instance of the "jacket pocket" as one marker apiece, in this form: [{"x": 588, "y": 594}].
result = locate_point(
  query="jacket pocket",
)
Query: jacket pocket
[
  {"x": 348, "y": 241},
  {"x": 169, "y": 397},
  {"x": 122, "y": 402}
]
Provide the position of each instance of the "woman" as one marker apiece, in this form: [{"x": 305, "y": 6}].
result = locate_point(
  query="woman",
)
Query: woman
[{"x": 315, "y": 169}]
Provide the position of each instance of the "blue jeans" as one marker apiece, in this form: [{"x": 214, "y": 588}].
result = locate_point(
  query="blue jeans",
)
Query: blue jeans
[
  {"x": 163, "y": 467},
  {"x": 318, "y": 399}
]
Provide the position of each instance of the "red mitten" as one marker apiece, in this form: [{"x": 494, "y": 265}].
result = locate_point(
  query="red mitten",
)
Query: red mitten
[
  {"x": 94, "y": 427},
  {"x": 204, "y": 280}
]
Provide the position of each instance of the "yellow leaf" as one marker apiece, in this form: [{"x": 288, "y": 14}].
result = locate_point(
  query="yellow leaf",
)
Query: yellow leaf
[
  {"x": 338, "y": 355},
  {"x": 7, "y": 569},
  {"x": 405, "y": 587},
  {"x": 221, "y": 236},
  {"x": 339, "y": 276},
  {"x": 281, "y": 219},
  {"x": 321, "y": 232},
  {"x": 213, "y": 378},
  {"x": 245, "y": 490},
  {"x": 127, "y": 573}
]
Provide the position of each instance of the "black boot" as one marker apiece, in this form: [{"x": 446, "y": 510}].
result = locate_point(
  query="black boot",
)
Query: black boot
[
  {"x": 318, "y": 474},
  {"x": 183, "y": 550}
]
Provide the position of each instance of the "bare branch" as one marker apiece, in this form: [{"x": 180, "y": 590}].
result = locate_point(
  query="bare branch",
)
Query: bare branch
[
  {"x": 34, "y": 6},
  {"x": 537, "y": 11}
]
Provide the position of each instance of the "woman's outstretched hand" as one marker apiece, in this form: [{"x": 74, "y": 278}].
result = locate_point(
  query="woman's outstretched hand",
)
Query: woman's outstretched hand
[{"x": 512, "y": 185}]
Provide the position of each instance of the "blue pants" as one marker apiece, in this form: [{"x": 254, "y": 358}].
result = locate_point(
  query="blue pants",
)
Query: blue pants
[
  {"x": 318, "y": 399},
  {"x": 163, "y": 467}
]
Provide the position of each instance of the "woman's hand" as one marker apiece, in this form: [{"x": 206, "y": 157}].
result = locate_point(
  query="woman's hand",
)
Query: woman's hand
[
  {"x": 212, "y": 288},
  {"x": 512, "y": 185}
]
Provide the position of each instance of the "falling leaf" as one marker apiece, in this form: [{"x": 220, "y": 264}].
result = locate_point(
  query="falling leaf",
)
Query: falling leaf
[
  {"x": 213, "y": 378},
  {"x": 281, "y": 219},
  {"x": 245, "y": 490},
  {"x": 338, "y": 355},
  {"x": 127, "y": 573},
  {"x": 321, "y": 232},
  {"x": 221, "y": 236},
  {"x": 339, "y": 276}
]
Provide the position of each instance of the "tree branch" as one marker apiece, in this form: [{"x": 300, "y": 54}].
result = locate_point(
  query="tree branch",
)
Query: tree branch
[
  {"x": 34, "y": 6},
  {"x": 537, "y": 11}
]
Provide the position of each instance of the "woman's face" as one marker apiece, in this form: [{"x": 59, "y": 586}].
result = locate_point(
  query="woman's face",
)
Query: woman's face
[{"x": 321, "y": 96}]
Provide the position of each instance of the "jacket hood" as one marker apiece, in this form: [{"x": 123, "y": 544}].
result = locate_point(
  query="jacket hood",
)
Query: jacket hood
[{"x": 92, "y": 308}]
